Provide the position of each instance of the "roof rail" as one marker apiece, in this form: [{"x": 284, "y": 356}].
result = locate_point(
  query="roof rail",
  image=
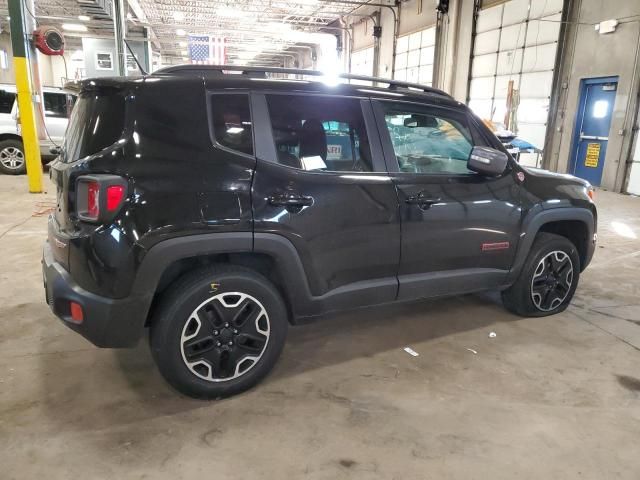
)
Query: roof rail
[{"x": 262, "y": 71}]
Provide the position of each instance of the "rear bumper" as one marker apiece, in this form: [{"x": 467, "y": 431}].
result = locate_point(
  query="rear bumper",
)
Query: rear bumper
[{"x": 107, "y": 322}]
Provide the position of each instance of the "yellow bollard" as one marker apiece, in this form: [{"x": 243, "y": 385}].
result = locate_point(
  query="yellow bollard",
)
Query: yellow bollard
[{"x": 20, "y": 44}]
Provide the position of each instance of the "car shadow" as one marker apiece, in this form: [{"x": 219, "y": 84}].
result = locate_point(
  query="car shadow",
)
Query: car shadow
[
  {"x": 341, "y": 337},
  {"x": 121, "y": 387}
]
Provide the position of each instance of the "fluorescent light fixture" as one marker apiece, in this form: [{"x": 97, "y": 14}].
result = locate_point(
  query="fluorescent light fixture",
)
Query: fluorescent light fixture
[
  {"x": 234, "y": 130},
  {"x": 185, "y": 52},
  {"x": 178, "y": 16},
  {"x": 180, "y": 32},
  {"x": 74, "y": 27},
  {"x": 84, "y": 18},
  {"x": 182, "y": 44}
]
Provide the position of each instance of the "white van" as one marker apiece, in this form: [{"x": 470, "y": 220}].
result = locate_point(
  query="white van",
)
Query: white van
[{"x": 57, "y": 106}]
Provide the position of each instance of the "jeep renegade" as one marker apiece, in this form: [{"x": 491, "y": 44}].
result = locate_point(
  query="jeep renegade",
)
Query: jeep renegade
[{"x": 216, "y": 208}]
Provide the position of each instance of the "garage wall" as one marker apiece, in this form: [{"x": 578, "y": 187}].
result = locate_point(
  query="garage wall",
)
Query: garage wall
[
  {"x": 7, "y": 74},
  {"x": 52, "y": 69},
  {"x": 516, "y": 41},
  {"x": 633, "y": 185},
  {"x": 589, "y": 54}
]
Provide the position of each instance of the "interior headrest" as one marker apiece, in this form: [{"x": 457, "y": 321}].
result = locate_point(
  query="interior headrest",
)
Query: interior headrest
[{"x": 313, "y": 140}]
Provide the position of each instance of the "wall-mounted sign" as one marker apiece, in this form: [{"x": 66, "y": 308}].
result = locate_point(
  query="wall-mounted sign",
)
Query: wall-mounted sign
[
  {"x": 592, "y": 156},
  {"x": 104, "y": 61}
]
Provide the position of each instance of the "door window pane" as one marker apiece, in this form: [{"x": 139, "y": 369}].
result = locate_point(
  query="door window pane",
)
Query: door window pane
[
  {"x": 55, "y": 105},
  {"x": 319, "y": 133},
  {"x": 232, "y": 122},
  {"x": 6, "y": 101},
  {"x": 428, "y": 142}
]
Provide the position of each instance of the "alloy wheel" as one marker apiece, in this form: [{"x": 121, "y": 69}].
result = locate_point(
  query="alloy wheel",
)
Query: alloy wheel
[
  {"x": 551, "y": 281},
  {"x": 12, "y": 158},
  {"x": 225, "y": 336}
]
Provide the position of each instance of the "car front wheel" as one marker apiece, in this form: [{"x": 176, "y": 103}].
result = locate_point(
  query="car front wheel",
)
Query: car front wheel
[
  {"x": 548, "y": 278},
  {"x": 218, "y": 331}
]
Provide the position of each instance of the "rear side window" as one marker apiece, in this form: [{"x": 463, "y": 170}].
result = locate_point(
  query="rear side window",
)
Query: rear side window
[
  {"x": 231, "y": 118},
  {"x": 96, "y": 122},
  {"x": 6, "y": 101},
  {"x": 55, "y": 105},
  {"x": 320, "y": 133}
]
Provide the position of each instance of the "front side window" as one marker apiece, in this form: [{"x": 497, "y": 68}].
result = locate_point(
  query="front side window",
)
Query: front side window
[
  {"x": 319, "y": 133},
  {"x": 232, "y": 125},
  {"x": 428, "y": 141}
]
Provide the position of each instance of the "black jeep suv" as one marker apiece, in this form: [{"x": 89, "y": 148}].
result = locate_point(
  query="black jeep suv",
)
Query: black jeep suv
[{"x": 217, "y": 208}]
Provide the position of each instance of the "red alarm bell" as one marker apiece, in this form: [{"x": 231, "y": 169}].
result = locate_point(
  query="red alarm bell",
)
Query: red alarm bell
[{"x": 49, "y": 40}]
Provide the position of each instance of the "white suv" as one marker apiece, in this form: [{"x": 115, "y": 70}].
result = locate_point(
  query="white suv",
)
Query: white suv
[{"x": 57, "y": 106}]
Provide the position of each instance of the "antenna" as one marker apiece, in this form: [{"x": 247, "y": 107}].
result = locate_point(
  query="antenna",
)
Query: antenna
[{"x": 135, "y": 58}]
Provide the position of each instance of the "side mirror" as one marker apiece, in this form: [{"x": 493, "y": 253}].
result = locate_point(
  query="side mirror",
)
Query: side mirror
[{"x": 487, "y": 161}]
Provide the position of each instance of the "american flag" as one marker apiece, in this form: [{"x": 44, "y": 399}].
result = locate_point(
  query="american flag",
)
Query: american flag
[{"x": 207, "y": 49}]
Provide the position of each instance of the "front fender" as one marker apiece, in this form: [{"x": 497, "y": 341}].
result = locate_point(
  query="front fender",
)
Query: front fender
[{"x": 535, "y": 219}]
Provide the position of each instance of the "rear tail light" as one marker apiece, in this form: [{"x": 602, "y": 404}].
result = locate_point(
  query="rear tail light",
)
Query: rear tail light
[
  {"x": 99, "y": 197},
  {"x": 115, "y": 194}
]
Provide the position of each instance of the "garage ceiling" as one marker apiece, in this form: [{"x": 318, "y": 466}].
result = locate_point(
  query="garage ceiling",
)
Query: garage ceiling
[{"x": 257, "y": 31}]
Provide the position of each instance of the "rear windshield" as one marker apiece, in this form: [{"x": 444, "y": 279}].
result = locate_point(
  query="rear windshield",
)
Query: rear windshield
[{"x": 96, "y": 122}]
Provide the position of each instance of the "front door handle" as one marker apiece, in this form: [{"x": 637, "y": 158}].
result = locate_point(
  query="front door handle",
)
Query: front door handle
[
  {"x": 290, "y": 200},
  {"x": 422, "y": 201}
]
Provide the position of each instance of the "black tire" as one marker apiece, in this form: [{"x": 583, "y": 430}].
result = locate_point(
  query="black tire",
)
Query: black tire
[
  {"x": 12, "y": 159},
  {"x": 530, "y": 299},
  {"x": 209, "y": 292}
]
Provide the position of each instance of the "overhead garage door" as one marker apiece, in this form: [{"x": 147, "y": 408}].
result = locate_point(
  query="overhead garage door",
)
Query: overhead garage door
[
  {"x": 414, "y": 57},
  {"x": 516, "y": 40},
  {"x": 362, "y": 62}
]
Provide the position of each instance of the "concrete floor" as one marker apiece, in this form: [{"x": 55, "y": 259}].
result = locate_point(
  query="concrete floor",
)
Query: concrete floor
[{"x": 551, "y": 398}]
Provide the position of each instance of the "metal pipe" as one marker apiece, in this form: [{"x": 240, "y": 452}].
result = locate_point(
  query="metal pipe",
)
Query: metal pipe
[{"x": 119, "y": 34}]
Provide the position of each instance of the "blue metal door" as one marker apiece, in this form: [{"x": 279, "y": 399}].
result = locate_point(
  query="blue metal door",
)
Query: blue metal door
[{"x": 592, "y": 127}]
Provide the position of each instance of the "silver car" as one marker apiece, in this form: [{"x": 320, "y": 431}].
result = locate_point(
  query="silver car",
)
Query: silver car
[{"x": 57, "y": 106}]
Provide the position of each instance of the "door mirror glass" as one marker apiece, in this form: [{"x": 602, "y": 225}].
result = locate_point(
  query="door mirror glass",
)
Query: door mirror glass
[{"x": 487, "y": 161}]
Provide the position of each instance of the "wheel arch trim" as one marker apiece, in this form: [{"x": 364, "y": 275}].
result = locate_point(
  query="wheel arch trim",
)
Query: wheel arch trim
[
  {"x": 162, "y": 255},
  {"x": 532, "y": 224}
]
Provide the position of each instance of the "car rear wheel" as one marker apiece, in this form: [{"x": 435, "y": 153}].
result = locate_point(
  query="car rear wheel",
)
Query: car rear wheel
[
  {"x": 548, "y": 278},
  {"x": 12, "y": 160},
  {"x": 218, "y": 331}
]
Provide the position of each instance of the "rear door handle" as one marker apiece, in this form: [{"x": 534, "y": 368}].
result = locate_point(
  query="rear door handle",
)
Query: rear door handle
[
  {"x": 422, "y": 201},
  {"x": 291, "y": 200}
]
